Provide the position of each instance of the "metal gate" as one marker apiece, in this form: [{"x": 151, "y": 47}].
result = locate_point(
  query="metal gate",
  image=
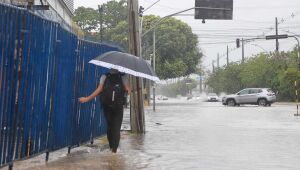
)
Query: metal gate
[{"x": 43, "y": 70}]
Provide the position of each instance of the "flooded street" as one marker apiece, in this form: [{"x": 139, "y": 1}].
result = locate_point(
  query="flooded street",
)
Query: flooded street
[{"x": 192, "y": 134}]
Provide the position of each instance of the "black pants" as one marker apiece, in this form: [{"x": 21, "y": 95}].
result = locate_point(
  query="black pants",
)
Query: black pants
[{"x": 114, "y": 117}]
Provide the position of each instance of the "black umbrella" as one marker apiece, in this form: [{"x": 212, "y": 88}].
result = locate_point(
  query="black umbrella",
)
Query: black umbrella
[{"x": 126, "y": 63}]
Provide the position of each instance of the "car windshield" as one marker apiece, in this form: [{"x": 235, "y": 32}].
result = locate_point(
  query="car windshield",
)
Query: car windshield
[{"x": 212, "y": 94}]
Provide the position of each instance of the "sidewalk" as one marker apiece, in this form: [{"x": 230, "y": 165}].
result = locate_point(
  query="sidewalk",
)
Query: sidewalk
[{"x": 85, "y": 157}]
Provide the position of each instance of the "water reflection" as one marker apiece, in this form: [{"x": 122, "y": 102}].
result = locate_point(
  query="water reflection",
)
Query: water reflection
[{"x": 199, "y": 135}]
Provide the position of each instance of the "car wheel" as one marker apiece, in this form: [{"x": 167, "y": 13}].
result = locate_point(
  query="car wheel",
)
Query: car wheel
[
  {"x": 230, "y": 102},
  {"x": 262, "y": 102}
]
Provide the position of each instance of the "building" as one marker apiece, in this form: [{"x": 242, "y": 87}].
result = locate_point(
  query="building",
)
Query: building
[{"x": 60, "y": 11}]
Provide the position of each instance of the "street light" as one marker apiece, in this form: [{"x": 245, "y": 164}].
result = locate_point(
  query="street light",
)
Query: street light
[
  {"x": 158, "y": 22},
  {"x": 298, "y": 46},
  {"x": 298, "y": 58},
  {"x": 238, "y": 40},
  {"x": 270, "y": 37},
  {"x": 151, "y": 5},
  {"x": 154, "y": 45},
  {"x": 141, "y": 11}
]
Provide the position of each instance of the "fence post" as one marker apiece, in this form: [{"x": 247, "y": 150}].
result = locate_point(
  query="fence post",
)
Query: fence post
[
  {"x": 47, "y": 156},
  {"x": 27, "y": 111},
  {"x": 10, "y": 166}
]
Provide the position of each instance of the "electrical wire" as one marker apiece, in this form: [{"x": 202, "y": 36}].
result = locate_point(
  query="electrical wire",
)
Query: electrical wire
[
  {"x": 164, "y": 6},
  {"x": 293, "y": 15}
]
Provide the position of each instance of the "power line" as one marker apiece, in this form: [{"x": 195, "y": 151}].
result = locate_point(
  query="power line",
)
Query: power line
[
  {"x": 164, "y": 6},
  {"x": 231, "y": 30},
  {"x": 282, "y": 21},
  {"x": 224, "y": 42}
]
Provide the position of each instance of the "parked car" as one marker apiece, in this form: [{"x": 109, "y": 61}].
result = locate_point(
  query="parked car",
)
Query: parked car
[
  {"x": 212, "y": 97},
  {"x": 256, "y": 96},
  {"x": 162, "y": 98}
]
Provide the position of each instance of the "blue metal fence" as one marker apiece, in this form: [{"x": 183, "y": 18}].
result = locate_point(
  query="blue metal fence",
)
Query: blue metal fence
[{"x": 43, "y": 70}]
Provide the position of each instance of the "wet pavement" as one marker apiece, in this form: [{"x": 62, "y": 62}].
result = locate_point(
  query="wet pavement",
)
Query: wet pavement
[{"x": 192, "y": 134}]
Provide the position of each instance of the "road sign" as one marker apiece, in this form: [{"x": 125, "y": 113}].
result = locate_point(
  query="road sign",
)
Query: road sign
[
  {"x": 271, "y": 37},
  {"x": 214, "y": 9}
]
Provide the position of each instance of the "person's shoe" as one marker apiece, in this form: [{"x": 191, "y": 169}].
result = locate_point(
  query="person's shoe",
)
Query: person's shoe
[{"x": 114, "y": 150}]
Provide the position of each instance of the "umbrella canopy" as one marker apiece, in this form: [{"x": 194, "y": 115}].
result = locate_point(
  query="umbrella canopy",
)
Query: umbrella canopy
[{"x": 126, "y": 63}]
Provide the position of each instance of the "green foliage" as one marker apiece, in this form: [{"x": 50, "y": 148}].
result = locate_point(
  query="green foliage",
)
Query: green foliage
[
  {"x": 114, "y": 13},
  {"x": 226, "y": 79},
  {"x": 287, "y": 80},
  {"x": 118, "y": 34},
  {"x": 180, "y": 88},
  {"x": 254, "y": 72},
  {"x": 177, "y": 52},
  {"x": 276, "y": 71},
  {"x": 86, "y": 18}
]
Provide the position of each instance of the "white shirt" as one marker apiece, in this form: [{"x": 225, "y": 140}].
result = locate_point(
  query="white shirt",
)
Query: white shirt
[{"x": 124, "y": 79}]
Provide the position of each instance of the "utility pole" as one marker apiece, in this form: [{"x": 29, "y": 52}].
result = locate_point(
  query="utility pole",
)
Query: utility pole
[
  {"x": 137, "y": 117},
  {"x": 277, "y": 42},
  {"x": 200, "y": 85},
  {"x": 146, "y": 85},
  {"x": 218, "y": 61},
  {"x": 100, "y": 9},
  {"x": 243, "y": 51},
  {"x": 298, "y": 69},
  {"x": 227, "y": 56},
  {"x": 154, "y": 55}
]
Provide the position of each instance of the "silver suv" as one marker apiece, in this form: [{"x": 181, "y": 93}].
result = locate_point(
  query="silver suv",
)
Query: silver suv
[{"x": 257, "y": 96}]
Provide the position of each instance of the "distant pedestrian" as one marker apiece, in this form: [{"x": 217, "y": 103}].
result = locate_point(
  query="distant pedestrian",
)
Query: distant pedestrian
[{"x": 113, "y": 89}]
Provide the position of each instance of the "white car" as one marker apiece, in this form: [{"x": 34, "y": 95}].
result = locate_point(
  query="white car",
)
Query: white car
[
  {"x": 256, "y": 96},
  {"x": 212, "y": 97},
  {"x": 162, "y": 98}
]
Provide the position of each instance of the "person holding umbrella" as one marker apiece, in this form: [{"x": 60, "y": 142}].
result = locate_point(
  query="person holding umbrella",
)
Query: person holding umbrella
[
  {"x": 118, "y": 63},
  {"x": 112, "y": 89}
]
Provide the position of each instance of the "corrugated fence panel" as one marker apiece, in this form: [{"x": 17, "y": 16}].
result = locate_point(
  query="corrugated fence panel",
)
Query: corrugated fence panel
[{"x": 43, "y": 71}]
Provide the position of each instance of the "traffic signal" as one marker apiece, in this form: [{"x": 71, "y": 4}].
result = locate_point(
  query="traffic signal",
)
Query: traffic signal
[
  {"x": 141, "y": 11},
  {"x": 238, "y": 43}
]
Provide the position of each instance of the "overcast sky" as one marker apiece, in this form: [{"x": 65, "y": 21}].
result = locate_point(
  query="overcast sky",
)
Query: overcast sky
[{"x": 251, "y": 18}]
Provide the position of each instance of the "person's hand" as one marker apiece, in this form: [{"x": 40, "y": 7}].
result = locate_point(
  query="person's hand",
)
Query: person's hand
[{"x": 83, "y": 99}]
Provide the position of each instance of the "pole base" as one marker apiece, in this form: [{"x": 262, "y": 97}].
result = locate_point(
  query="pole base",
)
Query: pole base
[
  {"x": 10, "y": 167},
  {"x": 69, "y": 150},
  {"x": 47, "y": 156}
]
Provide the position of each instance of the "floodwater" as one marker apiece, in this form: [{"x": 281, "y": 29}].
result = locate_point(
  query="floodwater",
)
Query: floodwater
[{"x": 192, "y": 134}]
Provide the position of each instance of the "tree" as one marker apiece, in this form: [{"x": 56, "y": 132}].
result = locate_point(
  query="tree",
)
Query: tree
[
  {"x": 86, "y": 18},
  {"x": 118, "y": 35},
  {"x": 177, "y": 52},
  {"x": 182, "y": 87},
  {"x": 277, "y": 71},
  {"x": 226, "y": 79},
  {"x": 114, "y": 13}
]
